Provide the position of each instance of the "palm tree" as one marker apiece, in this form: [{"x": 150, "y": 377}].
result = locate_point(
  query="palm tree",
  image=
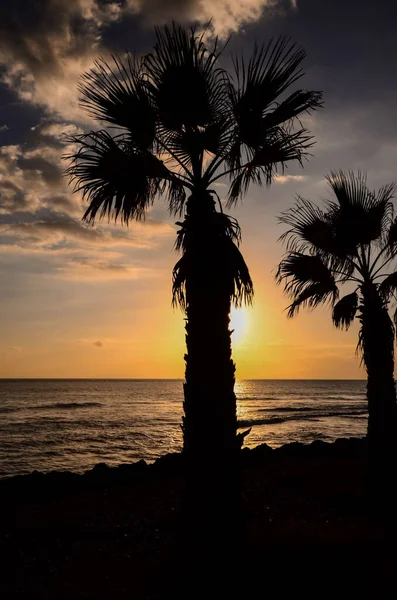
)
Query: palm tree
[
  {"x": 180, "y": 123},
  {"x": 354, "y": 242}
]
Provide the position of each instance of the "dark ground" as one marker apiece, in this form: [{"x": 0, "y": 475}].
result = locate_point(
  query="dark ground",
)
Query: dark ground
[{"x": 112, "y": 533}]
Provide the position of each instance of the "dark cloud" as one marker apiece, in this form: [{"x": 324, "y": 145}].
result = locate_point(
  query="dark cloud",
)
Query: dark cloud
[
  {"x": 158, "y": 11},
  {"x": 222, "y": 17},
  {"x": 41, "y": 32},
  {"x": 98, "y": 344},
  {"x": 12, "y": 197},
  {"x": 31, "y": 177},
  {"x": 51, "y": 173},
  {"x": 54, "y": 228},
  {"x": 46, "y": 45},
  {"x": 49, "y": 230}
]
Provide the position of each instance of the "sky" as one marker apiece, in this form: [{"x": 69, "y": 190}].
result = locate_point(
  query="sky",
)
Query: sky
[{"x": 81, "y": 301}]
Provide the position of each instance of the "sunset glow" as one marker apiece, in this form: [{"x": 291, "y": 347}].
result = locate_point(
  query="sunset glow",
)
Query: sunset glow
[
  {"x": 82, "y": 301},
  {"x": 238, "y": 324}
]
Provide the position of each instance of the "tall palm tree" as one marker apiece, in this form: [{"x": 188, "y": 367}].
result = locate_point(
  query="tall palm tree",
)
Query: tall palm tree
[
  {"x": 180, "y": 123},
  {"x": 354, "y": 242}
]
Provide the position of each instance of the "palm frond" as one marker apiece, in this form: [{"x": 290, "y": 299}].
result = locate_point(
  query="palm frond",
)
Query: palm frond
[
  {"x": 211, "y": 257},
  {"x": 180, "y": 276},
  {"x": 297, "y": 270},
  {"x": 271, "y": 69},
  {"x": 388, "y": 287},
  {"x": 222, "y": 225},
  {"x": 312, "y": 296},
  {"x": 292, "y": 107},
  {"x": 391, "y": 236},
  {"x": 189, "y": 143},
  {"x": 345, "y": 310},
  {"x": 118, "y": 181},
  {"x": 309, "y": 228},
  {"x": 231, "y": 275},
  {"x": 349, "y": 188},
  {"x": 243, "y": 288},
  {"x": 395, "y": 320},
  {"x": 267, "y": 161},
  {"x": 383, "y": 209},
  {"x": 254, "y": 94},
  {"x": 116, "y": 94},
  {"x": 186, "y": 86},
  {"x": 360, "y": 215},
  {"x": 307, "y": 280}
]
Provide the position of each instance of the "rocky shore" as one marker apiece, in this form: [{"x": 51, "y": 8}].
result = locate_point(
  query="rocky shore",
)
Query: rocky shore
[{"x": 113, "y": 532}]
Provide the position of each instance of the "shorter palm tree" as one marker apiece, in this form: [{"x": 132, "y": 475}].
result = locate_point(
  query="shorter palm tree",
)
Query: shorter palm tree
[{"x": 354, "y": 242}]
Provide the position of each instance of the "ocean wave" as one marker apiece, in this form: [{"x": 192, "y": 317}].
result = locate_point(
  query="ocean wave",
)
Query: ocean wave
[
  {"x": 65, "y": 405},
  {"x": 300, "y": 417},
  {"x": 351, "y": 397},
  {"x": 325, "y": 411},
  {"x": 5, "y": 410},
  {"x": 252, "y": 422},
  {"x": 258, "y": 398}
]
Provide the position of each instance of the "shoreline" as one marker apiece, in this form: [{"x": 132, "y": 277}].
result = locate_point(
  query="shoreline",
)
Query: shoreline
[
  {"x": 170, "y": 464},
  {"x": 114, "y": 532}
]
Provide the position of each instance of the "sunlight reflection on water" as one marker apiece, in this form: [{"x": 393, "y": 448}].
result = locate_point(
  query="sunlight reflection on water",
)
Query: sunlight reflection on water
[{"x": 75, "y": 424}]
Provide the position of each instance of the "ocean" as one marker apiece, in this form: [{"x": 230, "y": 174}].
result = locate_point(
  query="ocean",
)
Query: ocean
[{"x": 74, "y": 424}]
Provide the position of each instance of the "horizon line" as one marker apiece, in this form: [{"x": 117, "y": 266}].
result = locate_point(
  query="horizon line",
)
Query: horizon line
[{"x": 175, "y": 379}]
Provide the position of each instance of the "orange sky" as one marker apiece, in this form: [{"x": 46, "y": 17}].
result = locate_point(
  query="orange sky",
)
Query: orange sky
[
  {"x": 77, "y": 301},
  {"x": 86, "y": 320}
]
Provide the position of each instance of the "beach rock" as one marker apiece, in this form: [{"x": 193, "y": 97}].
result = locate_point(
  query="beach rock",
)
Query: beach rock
[
  {"x": 63, "y": 482},
  {"x": 136, "y": 468},
  {"x": 256, "y": 456},
  {"x": 99, "y": 470},
  {"x": 320, "y": 448},
  {"x": 37, "y": 474},
  {"x": 57, "y": 481},
  {"x": 292, "y": 450},
  {"x": 350, "y": 446},
  {"x": 127, "y": 473},
  {"x": 169, "y": 464}
]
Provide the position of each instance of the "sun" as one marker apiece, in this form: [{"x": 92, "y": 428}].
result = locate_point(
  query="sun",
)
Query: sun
[{"x": 238, "y": 323}]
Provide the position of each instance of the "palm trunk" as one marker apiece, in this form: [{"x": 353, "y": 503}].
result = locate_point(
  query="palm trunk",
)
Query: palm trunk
[
  {"x": 210, "y": 423},
  {"x": 378, "y": 346}
]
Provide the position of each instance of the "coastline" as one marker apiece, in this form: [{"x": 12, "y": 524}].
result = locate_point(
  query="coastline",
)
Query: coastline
[
  {"x": 113, "y": 532},
  {"x": 170, "y": 465}
]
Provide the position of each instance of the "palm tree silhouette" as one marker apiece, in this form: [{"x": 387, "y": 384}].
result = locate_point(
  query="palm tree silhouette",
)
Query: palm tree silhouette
[
  {"x": 354, "y": 242},
  {"x": 182, "y": 122}
]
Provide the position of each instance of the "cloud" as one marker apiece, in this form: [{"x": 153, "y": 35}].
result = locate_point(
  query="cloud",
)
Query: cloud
[
  {"x": 98, "y": 344},
  {"x": 73, "y": 264},
  {"x": 97, "y": 269},
  {"x": 4, "y": 127},
  {"x": 286, "y": 178},
  {"x": 31, "y": 178},
  {"x": 57, "y": 245},
  {"x": 55, "y": 230},
  {"x": 46, "y": 45},
  {"x": 224, "y": 16}
]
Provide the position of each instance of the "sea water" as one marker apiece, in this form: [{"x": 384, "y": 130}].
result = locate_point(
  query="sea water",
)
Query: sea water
[{"x": 72, "y": 425}]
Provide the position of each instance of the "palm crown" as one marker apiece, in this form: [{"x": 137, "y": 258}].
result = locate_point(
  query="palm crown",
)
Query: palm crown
[
  {"x": 181, "y": 122},
  {"x": 354, "y": 240}
]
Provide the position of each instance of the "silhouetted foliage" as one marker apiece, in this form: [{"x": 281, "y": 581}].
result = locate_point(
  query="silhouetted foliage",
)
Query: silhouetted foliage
[
  {"x": 353, "y": 242},
  {"x": 180, "y": 123}
]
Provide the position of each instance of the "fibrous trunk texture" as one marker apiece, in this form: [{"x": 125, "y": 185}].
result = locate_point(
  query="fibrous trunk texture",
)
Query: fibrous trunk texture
[
  {"x": 377, "y": 338},
  {"x": 210, "y": 448}
]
